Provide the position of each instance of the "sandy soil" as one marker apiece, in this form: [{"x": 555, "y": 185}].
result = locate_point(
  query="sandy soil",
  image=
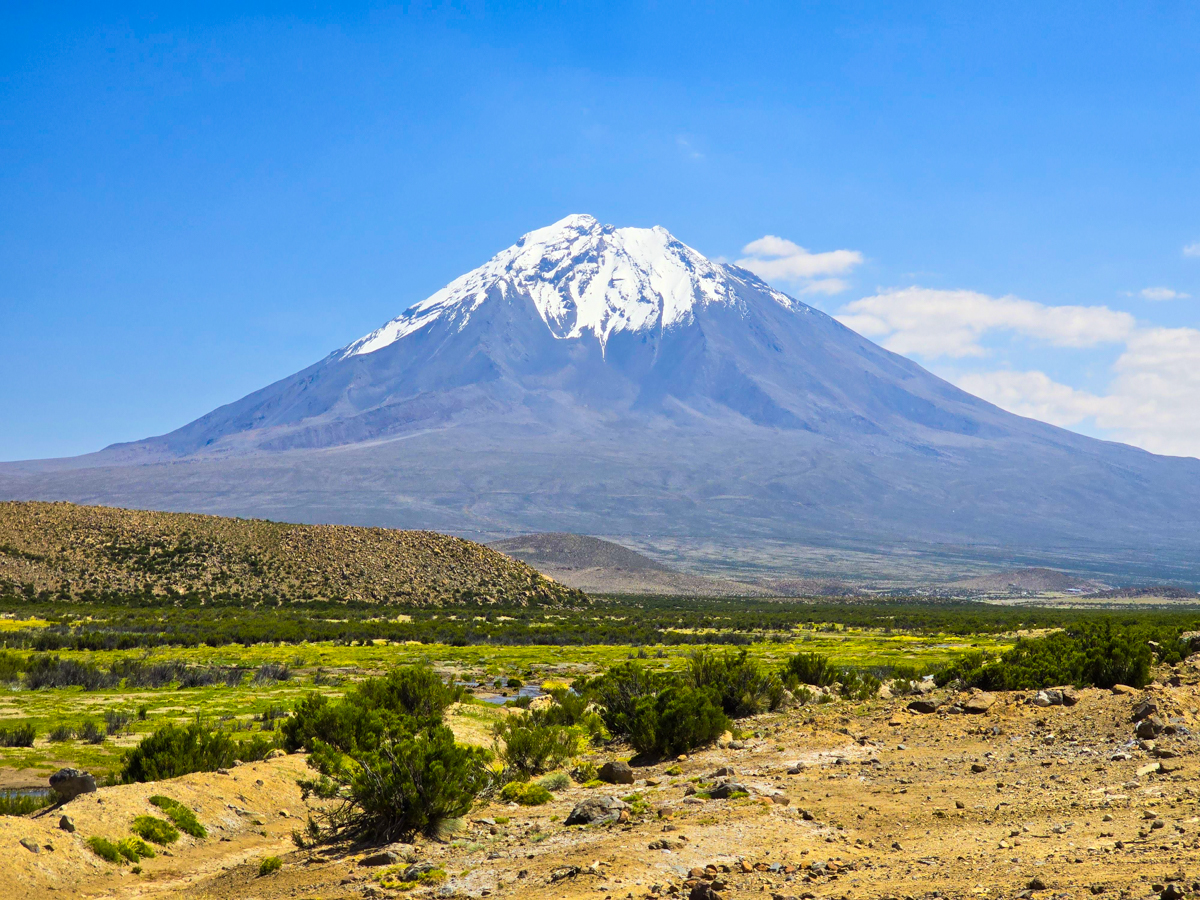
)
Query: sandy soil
[{"x": 881, "y": 802}]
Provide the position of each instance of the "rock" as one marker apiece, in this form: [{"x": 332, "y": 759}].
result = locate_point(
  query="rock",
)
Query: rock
[
  {"x": 1150, "y": 769},
  {"x": 31, "y": 846},
  {"x": 884, "y": 692},
  {"x": 1036, "y": 884},
  {"x": 923, "y": 706},
  {"x": 726, "y": 789},
  {"x": 616, "y": 772},
  {"x": 70, "y": 783},
  {"x": 979, "y": 703},
  {"x": 1171, "y": 892},
  {"x": 1070, "y": 696},
  {"x": 724, "y": 740},
  {"x": 66, "y": 823},
  {"x": 1143, "y": 710},
  {"x": 595, "y": 809},
  {"x": 703, "y": 891},
  {"x": 978, "y": 767},
  {"x": 274, "y": 754},
  {"x": 724, "y": 772},
  {"x": 1046, "y": 698},
  {"x": 386, "y": 858},
  {"x": 413, "y": 872},
  {"x": 1123, "y": 690},
  {"x": 1149, "y": 727}
]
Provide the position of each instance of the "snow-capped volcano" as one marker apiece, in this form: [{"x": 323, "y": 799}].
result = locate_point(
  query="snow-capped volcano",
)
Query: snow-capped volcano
[
  {"x": 614, "y": 381},
  {"x": 584, "y": 277}
]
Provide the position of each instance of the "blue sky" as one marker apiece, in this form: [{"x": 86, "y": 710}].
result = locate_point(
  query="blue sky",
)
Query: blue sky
[{"x": 198, "y": 202}]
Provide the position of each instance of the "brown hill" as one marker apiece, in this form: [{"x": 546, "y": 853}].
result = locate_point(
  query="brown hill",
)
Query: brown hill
[
  {"x": 1029, "y": 579},
  {"x": 53, "y": 546}
]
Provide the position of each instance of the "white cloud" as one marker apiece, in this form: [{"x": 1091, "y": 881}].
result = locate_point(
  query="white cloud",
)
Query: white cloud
[
  {"x": 780, "y": 260},
  {"x": 1162, "y": 293},
  {"x": 1152, "y": 402},
  {"x": 935, "y": 323},
  {"x": 1192, "y": 250}
]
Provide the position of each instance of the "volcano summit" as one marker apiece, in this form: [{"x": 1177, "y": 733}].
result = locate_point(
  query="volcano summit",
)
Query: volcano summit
[{"x": 614, "y": 381}]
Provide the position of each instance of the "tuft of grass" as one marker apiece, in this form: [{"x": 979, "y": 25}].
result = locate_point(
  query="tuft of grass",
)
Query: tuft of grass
[
  {"x": 134, "y": 849},
  {"x": 154, "y": 829},
  {"x": 555, "y": 782},
  {"x": 527, "y": 794},
  {"x": 183, "y": 817},
  {"x": 268, "y": 865},
  {"x": 106, "y": 850}
]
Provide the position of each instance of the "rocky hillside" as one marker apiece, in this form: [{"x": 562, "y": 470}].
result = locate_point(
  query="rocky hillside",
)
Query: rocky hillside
[{"x": 53, "y": 546}]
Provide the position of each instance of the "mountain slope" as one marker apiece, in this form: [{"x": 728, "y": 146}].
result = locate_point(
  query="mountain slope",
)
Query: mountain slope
[
  {"x": 60, "y": 546},
  {"x": 593, "y": 379}
]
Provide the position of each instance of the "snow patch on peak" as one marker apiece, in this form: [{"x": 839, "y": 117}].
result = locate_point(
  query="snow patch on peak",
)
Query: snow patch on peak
[{"x": 584, "y": 277}]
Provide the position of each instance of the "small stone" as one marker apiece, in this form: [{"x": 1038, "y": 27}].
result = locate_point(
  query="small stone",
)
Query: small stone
[
  {"x": 31, "y": 846},
  {"x": 386, "y": 858},
  {"x": 724, "y": 772},
  {"x": 1036, "y": 884},
  {"x": 978, "y": 767},
  {"x": 66, "y": 823},
  {"x": 1145, "y": 708},
  {"x": 979, "y": 703}
]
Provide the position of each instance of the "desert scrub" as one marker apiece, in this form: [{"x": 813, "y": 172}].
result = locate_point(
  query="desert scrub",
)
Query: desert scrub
[
  {"x": 183, "y": 818},
  {"x": 18, "y": 736},
  {"x": 531, "y": 749},
  {"x": 154, "y": 829},
  {"x": 525, "y": 793},
  {"x": 106, "y": 850},
  {"x": 556, "y": 782},
  {"x": 268, "y": 865},
  {"x": 173, "y": 751}
]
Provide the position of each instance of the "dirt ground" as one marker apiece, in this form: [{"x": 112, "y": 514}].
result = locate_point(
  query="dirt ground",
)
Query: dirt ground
[{"x": 881, "y": 801}]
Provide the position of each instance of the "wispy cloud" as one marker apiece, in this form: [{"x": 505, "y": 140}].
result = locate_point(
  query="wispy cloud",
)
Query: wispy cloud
[
  {"x": 1162, "y": 293},
  {"x": 1192, "y": 250},
  {"x": 688, "y": 150},
  {"x": 777, "y": 259},
  {"x": 940, "y": 323},
  {"x": 1153, "y": 400}
]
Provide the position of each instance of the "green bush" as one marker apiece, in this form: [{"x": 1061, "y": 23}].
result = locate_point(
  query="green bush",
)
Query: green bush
[
  {"x": 106, "y": 850},
  {"x": 369, "y": 710},
  {"x": 1084, "y": 654},
  {"x": 680, "y": 719},
  {"x": 570, "y": 710},
  {"x": 411, "y": 783},
  {"x": 183, "y": 817},
  {"x": 174, "y": 750},
  {"x": 135, "y": 849},
  {"x": 531, "y": 749},
  {"x": 525, "y": 793},
  {"x": 619, "y": 692},
  {"x": 743, "y": 685},
  {"x": 17, "y": 736},
  {"x": 556, "y": 782},
  {"x": 155, "y": 830},
  {"x": 268, "y": 865},
  {"x": 809, "y": 668}
]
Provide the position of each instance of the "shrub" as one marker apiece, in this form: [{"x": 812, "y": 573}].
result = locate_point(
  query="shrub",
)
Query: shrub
[
  {"x": 154, "y": 829},
  {"x": 174, "y": 750},
  {"x": 525, "y": 793},
  {"x": 106, "y": 850},
  {"x": 680, "y": 719},
  {"x": 268, "y": 865},
  {"x": 60, "y": 733},
  {"x": 116, "y": 721},
  {"x": 569, "y": 710},
  {"x": 45, "y": 671},
  {"x": 183, "y": 817},
  {"x": 11, "y": 667},
  {"x": 18, "y": 736},
  {"x": 809, "y": 668},
  {"x": 858, "y": 685},
  {"x": 411, "y": 783},
  {"x": 620, "y": 690},
  {"x": 269, "y": 673},
  {"x": 744, "y": 687},
  {"x": 91, "y": 733},
  {"x": 556, "y": 782},
  {"x": 533, "y": 749},
  {"x": 584, "y": 772},
  {"x": 135, "y": 849}
]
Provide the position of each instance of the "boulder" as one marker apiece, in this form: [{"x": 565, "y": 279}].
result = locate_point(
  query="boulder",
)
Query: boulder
[
  {"x": 923, "y": 706},
  {"x": 1146, "y": 708},
  {"x": 724, "y": 772},
  {"x": 68, "y": 784},
  {"x": 727, "y": 789},
  {"x": 31, "y": 846},
  {"x": 1070, "y": 696},
  {"x": 66, "y": 823},
  {"x": 1149, "y": 727},
  {"x": 979, "y": 703},
  {"x": 386, "y": 858},
  {"x": 596, "y": 809},
  {"x": 616, "y": 772},
  {"x": 1124, "y": 690}
]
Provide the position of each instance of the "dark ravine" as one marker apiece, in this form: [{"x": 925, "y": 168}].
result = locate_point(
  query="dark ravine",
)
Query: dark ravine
[{"x": 613, "y": 381}]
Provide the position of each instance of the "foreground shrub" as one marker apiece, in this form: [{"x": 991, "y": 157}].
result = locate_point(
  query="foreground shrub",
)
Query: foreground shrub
[
  {"x": 17, "y": 736},
  {"x": 183, "y": 817},
  {"x": 744, "y": 687},
  {"x": 174, "y": 750},
  {"x": 530, "y": 749},
  {"x": 680, "y": 719},
  {"x": 411, "y": 783},
  {"x": 11, "y": 667},
  {"x": 156, "y": 830},
  {"x": 106, "y": 850},
  {"x": 619, "y": 692},
  {"x": 809, "y": 668}
]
